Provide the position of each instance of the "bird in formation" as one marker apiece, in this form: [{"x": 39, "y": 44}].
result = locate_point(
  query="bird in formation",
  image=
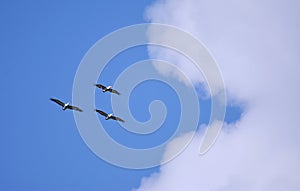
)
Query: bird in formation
[
  {"x": 65, "y": 105},
  {"x": 104, "y": 89},
  {"x": 108, "y": 88},
  {"x": 109, "y": 116}
]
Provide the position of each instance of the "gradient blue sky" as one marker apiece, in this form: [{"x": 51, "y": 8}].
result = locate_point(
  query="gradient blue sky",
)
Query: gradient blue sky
[{"x": 42, "y": 44}]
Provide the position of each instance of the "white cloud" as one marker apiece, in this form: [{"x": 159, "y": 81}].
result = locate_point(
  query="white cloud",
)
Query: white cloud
[
  {"x": 256, "y": 43},
  {"x": 240, "y": 160},
  {"x": 249, "y": 40}
]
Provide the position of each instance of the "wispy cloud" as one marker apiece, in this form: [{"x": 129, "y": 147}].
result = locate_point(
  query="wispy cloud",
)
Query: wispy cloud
[{"x": 256, "y": 43}]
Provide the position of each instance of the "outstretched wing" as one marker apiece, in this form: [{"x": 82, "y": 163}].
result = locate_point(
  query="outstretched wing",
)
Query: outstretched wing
[
  {"x": 57, "y": 101},
  {"x": 100, "y": 86},
  {"x": 74, "y": 108},
  {"x": 117, "y": 119},
  {"x": 114, "y": 91},
  {"x": 101, "y": 112}
]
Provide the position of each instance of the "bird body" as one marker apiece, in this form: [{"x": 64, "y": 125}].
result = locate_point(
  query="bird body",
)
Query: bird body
[
  {"x": 109, "y": 116},
  {"x": 108, "y": 88},
  {"x": 65, "y": 106}
]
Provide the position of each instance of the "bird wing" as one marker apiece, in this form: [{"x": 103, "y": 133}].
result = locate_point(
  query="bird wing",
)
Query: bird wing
[
  {"x": 117, "y": 119},
  {"x": 101, "y": 112},
  {"x": 57, "y": 101},
  {"x": 114, "y": 91},
  {"x": 74, "y": 108},
  {"x": 100, "y": 86}
]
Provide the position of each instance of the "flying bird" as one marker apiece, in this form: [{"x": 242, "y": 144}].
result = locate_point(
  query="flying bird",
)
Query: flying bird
[
  {"x": 65, "y": 105},
  {"x": 109, "y": 116},
  {"x": 108, "y": 88}
]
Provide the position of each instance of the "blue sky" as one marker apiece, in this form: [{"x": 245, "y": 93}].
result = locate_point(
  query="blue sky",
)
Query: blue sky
[{"x": 42, "y": 44}]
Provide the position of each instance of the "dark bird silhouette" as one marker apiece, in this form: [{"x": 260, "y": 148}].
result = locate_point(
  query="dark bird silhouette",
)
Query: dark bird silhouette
[
  {"x": 108, "y": 88},
  {"x": 109, "y": 116},
  {"x": 65, "y": 105}
]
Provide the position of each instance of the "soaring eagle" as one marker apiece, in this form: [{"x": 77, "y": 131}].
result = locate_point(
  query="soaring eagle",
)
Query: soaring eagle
[
  {"x": 109, "y": 116},
  {"x": 108, "y": 88},
  {"x": 66, "y": 105}
]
